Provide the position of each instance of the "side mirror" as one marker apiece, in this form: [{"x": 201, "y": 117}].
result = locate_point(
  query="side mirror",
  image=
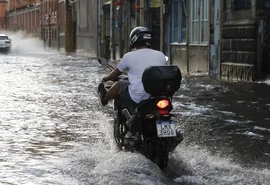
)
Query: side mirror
[{"x": 103, "y": 61}]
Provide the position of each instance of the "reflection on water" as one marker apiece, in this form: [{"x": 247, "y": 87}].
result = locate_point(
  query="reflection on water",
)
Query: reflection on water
[
  {"x": 231, "y": 119},
  {"x": 52, "y": 130},
  {"x": 45, "y": 108}
]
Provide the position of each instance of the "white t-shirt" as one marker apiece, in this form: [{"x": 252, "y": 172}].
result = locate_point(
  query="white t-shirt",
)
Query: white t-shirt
[{"x": 134, "y": 63}]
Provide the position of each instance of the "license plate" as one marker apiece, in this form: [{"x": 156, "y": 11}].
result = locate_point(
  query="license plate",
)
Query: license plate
[{"x": 166, "y": 129}]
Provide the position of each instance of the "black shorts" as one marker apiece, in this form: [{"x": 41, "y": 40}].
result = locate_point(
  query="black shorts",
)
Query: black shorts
[
  {"x": 124, "y": 100},
  {"x": 123, "y": 87}
]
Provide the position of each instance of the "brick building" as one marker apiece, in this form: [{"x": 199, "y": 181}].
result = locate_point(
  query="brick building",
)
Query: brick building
[
  {"x": 48, "y": 21},
  {"x": 24, "y": 15},
  {"x": 3, "y": 9}
]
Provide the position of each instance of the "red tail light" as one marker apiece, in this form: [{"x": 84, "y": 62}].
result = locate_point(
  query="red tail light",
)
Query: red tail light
[
  {"x": 163, "y": 104},
  {"x": 163, "y": 112}
]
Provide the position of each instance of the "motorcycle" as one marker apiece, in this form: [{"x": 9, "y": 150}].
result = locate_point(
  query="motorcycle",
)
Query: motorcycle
[{"x": 148, "y": 127}]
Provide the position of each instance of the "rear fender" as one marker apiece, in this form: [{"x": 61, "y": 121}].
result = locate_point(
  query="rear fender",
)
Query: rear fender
[{"x": 148, "y": 107}]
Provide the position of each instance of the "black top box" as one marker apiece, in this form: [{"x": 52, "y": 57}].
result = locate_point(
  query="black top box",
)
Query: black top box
[{"x": 161, "y": 80}]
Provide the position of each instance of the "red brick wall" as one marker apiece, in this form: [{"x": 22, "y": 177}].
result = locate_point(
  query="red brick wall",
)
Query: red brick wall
[
  {"x": 3, "y": 9},
  {"x": 27, "y": 19},
  {"x": 19, "y": 4}
]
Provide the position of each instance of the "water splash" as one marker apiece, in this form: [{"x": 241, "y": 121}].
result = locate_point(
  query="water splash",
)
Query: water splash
[
  {"x": 24, "y": 43},
  {"x": 267, "y": 81},
  {"x": 204, "y": 168}
]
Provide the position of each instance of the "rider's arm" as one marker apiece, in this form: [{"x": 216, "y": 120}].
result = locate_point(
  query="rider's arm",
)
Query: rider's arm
[{"x": 113, "y": 75}]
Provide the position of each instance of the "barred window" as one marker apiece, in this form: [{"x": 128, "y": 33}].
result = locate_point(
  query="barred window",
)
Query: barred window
[
  {"x": 199, "y": 31},
  {"x": 179, "y": 28}
]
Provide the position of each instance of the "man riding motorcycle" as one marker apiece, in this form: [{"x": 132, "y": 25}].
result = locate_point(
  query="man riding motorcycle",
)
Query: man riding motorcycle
[
  {"x": 139, "y": 117},
  {"x": 134, "y": 63}
]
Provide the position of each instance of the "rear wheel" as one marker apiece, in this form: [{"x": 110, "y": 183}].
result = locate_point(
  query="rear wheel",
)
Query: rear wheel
[
  {"x": 162, "y": 160},
  {"x": 157, "y": 153},
  {"x": 119, "y": 130}
]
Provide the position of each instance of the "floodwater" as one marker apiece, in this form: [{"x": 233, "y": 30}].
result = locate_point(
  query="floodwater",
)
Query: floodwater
[{"x": 53, "y": 131}]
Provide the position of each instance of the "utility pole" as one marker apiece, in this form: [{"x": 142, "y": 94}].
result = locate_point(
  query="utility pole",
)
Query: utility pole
[
  {"x": 112, "y": 30},
  {"x": 129, "y": 10},
  {"x": 120, "y": 26},
  {"x": 15, "y": 17},
  {"x": 49, "y": 24},
  {"x": 99, "y": 27},
  {"x": 138, "y": 10},
  {"x": 42, "y": 23},
  {"x": 68, "y": 27},
  {"x": 161, "y": 25},
  {"x": 50, "y": 31},
  {"x": 58, "y": 25},
  {"x": 142, "y": 9}
]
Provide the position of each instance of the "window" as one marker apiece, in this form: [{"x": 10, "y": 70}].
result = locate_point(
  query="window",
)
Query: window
[
  {"x": 155, "y": 3},
  {"x": 199, "y": 31},
  {"x": 179, "y": 29},
  {"x": 242, "y": 4},
  {"x": 4, "y": 38}
]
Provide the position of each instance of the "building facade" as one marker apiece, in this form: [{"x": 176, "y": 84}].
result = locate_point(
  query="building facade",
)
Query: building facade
[
  {"x": 24, "y": 15},
  {"x": 225, "y": 38},
  {"x": 245, "y": 40},
  {"x": 86, "y": 26},
  {"x": 119, "y": 17},
  {"x": 3, "y": 10},
  {"x": 49, "y": 22},
  {"x": 190, "y": 35}
]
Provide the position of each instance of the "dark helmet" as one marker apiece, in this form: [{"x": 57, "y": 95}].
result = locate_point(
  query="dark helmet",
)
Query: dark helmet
[{"x": 140, "y": 36}]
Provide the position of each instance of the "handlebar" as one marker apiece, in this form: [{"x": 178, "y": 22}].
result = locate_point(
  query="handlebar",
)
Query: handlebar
[{"x": 121, "y": 77}]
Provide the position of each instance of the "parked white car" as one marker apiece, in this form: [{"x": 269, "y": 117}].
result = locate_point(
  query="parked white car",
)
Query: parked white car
[{"x": 5, "y": 43}]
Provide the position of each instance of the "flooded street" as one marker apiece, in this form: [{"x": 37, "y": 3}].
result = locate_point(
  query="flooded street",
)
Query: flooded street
[{"x": 53, "y": 130}]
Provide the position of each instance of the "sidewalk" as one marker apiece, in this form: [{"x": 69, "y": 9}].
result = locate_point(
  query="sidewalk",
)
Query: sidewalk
[{"x": 114, "y": 63}]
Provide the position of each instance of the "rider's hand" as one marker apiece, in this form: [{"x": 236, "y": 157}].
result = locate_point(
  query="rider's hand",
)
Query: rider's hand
[{"x": 105, "y": 79}]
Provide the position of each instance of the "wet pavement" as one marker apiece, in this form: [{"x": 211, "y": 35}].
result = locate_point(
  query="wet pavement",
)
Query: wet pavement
[
  {"x": 53, "y": 131},
  {"x": 233, "y": 119}
]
